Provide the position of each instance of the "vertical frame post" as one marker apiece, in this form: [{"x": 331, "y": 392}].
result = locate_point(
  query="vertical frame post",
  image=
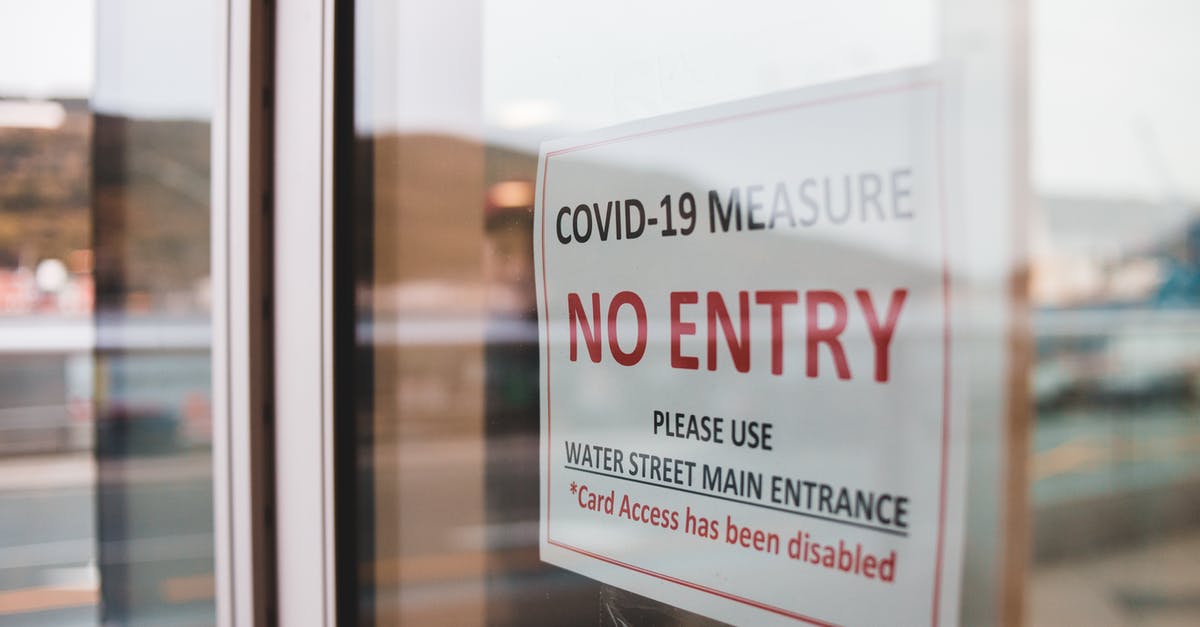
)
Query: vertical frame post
[
  {"x": 303, "y": 331},
  {"x": 241, "y": 310},
  {"x": 985, "y": 45}
]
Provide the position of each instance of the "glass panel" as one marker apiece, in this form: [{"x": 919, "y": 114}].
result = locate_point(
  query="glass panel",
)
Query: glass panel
[
  {"x": 105, "y": 478},
  {"x": 1116, "y": 247},
  {"x": 47, "y": 493},
  {"x": 445, "y": 377},
  {"x": 450, "y": 106},
  {"x": 153, "y": 99}
]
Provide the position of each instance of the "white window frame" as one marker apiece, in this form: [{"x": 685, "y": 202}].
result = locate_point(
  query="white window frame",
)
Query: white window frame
[
  {"x": 241, "y": 402},
  {"x": 984, "y": 40},
  {"x": 303, "y": 312}
]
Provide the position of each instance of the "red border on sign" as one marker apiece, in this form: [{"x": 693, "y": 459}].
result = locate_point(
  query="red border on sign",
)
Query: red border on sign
[{"x": 945, "y": 431}]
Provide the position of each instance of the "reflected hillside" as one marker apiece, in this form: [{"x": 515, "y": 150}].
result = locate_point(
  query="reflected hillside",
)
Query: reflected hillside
[
  {"x": 45, "y": 156},
  {"x": 44, "y": 193},
  {"x": 151, "y": 203},
  {"x": 150, "y": 228},
  {"x": 151, "y": 198}
]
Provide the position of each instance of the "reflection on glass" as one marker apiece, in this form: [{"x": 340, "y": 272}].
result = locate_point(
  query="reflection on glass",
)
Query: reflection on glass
[
  {"x": 1116, "y": 291},
  {"x": 452, "y": 453},
  {"x": 150, "y": 216},
  {"x": 105, "y": 479},
  {"x": 1115, "y": 242},
  {"x": 48, "y": 569}
]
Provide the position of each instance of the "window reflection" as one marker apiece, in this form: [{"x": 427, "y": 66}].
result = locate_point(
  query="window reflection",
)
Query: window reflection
[
  {"x": 1116, "y": 290},
  {"x": 105, "y": 424},
  {"x": 153, "y": 423},
  {"x": 453, "y": 457},
  {"x": 1115, "y": 267},
  {"x": 48, "y": 571}
]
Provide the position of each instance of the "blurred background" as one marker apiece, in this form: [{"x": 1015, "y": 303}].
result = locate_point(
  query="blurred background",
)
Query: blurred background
[
  {"x": 1113, "y": 235},
  {"x": 105, "y": 425},
  {"x": 105, "y": 420}
]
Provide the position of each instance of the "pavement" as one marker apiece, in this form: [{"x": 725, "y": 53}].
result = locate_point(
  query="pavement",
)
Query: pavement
[
  {"x": 160, "y": 522},
  {"x": 1156, "y": 584}
]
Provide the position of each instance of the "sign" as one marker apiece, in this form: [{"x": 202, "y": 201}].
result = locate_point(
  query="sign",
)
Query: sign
[{"x": 745, "y": 328}]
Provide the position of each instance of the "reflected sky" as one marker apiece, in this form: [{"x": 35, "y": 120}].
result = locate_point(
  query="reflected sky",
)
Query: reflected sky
[
  {"x": 154, "y": 64},
  {"x": 1113, "y": 82}
]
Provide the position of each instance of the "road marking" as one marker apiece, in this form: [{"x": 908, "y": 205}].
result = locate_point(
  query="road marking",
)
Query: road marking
[
  {"x": 45, "y": 598},
  {"x": 185, "y": 589}
]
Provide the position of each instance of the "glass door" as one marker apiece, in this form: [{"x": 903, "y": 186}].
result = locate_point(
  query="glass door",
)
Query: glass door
[
  {"x": 450, "y": 105},
  {"x": 1067, "y": 323}
]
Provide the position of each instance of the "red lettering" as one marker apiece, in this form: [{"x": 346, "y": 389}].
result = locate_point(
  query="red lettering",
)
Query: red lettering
[
  {"x": 577, "y": 316},
  {"x": 881, "y": 335},
  {"x": 818, "y": 335},
  {"x": 776, "y": 300},
  {"x": 680, "y": 329},
  {"x": 739, "y": 349},
  {"x": 639, "y": 309},
  {"x": 736, "y": 334}
]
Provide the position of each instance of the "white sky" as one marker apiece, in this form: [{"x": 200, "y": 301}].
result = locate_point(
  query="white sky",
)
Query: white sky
[
  {"x": 1114, "y": 82},
  {"x": 158, "y": 59},
  {"x": 46, "y": 47},
  {"x": 1116, "y": 91},
  {"x": 637, "y": 59}
]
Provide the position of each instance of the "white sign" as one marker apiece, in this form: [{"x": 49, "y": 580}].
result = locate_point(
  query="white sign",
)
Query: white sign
[{"x": 744, "y": 318}]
